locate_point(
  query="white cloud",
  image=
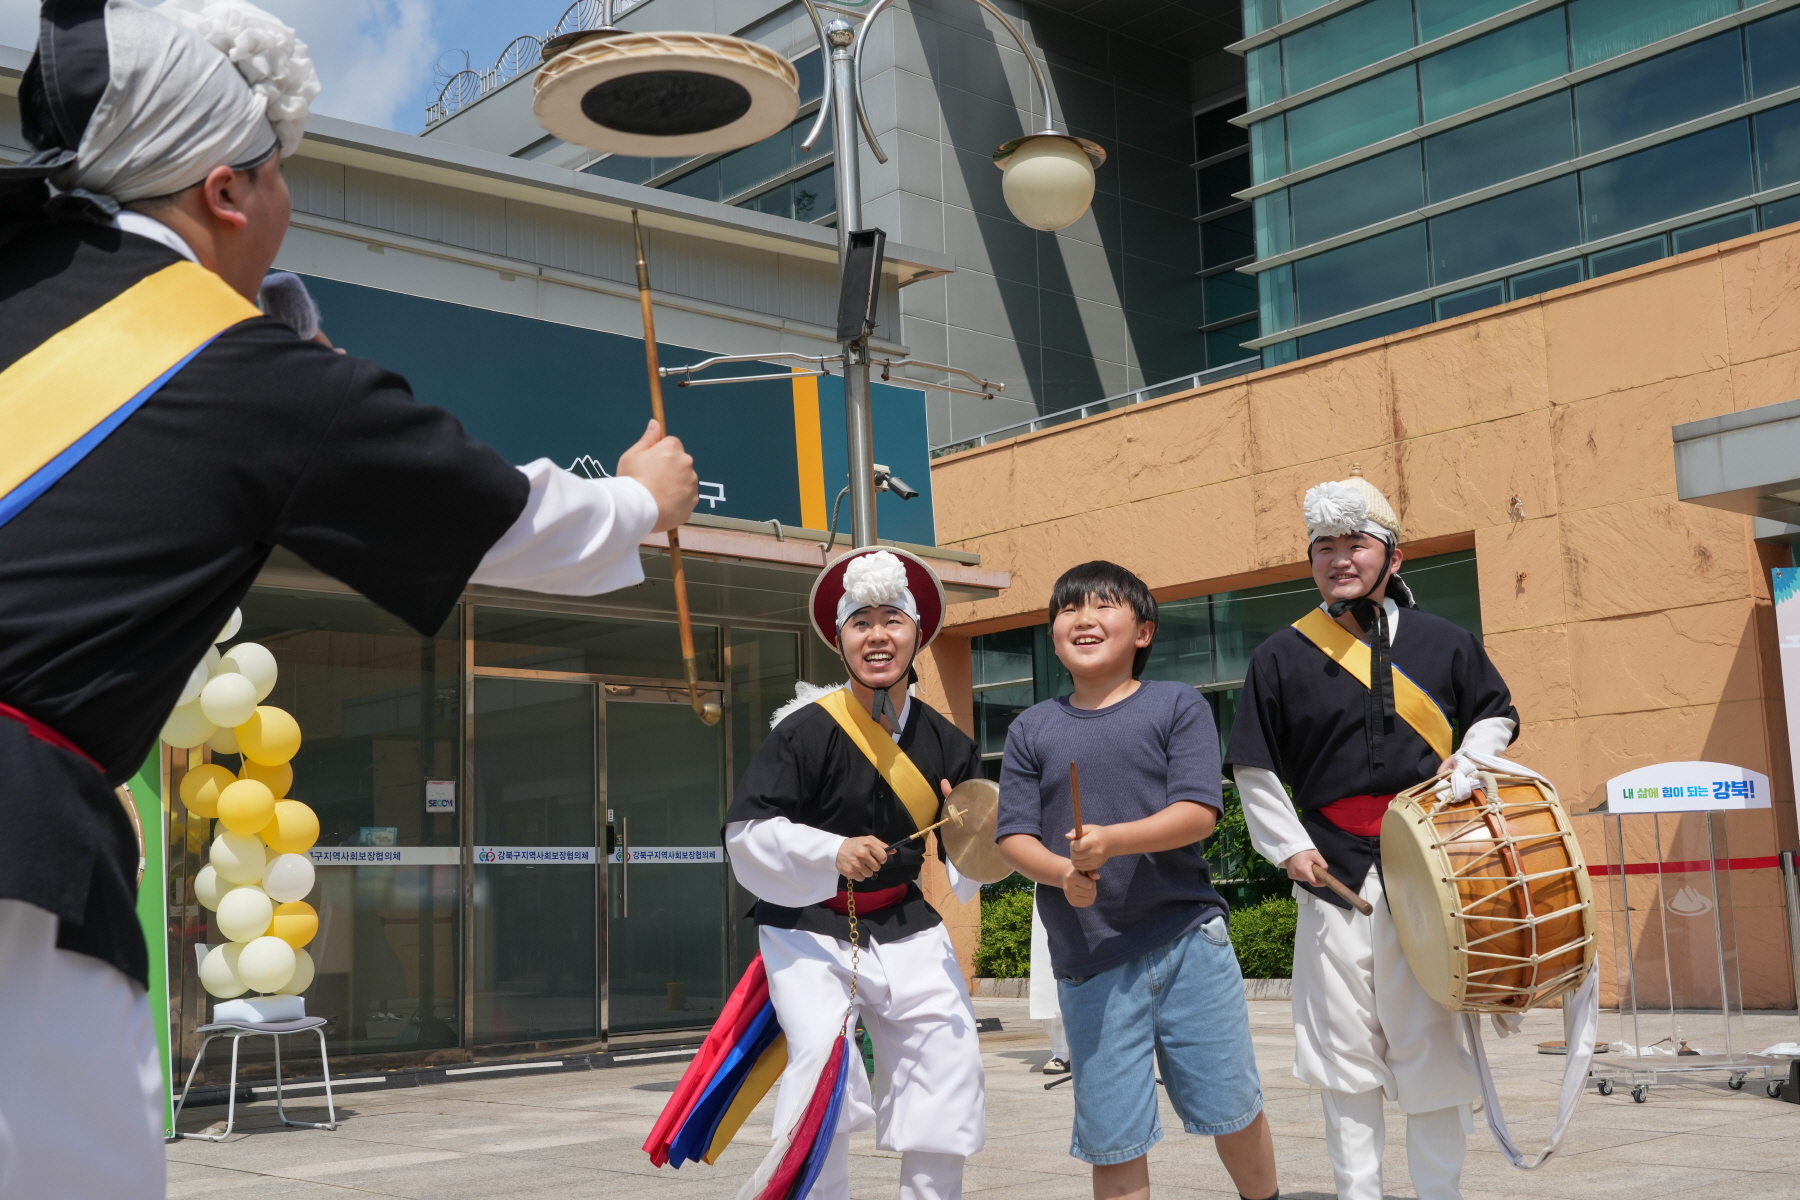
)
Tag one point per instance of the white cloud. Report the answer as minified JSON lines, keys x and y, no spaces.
{"x":373,"y":55}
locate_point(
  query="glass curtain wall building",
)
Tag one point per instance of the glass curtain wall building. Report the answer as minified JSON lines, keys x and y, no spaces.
{"x":1414,"y":160}
{"x":1205,"y":641}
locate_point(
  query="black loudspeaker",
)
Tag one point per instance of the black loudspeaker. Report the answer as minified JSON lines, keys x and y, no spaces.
{"x":859,"y":288}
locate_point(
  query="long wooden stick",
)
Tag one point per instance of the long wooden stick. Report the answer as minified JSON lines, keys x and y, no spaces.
{"x":1345,"y":894}
{"x":706,"y":710}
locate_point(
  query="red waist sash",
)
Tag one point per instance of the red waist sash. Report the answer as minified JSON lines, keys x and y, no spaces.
{"x":867,"y":902}
{"x":1360,"y":815}
{"x":44,"y":733}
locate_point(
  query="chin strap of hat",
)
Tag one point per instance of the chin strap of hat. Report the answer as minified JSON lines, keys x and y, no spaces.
{"x":1372,"y":616}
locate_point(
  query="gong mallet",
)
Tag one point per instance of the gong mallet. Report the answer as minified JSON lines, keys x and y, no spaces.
{"x":706,"y":710}
{"x":1075,"y":795}
{"x":1345,"y":894}
{"x":956,"y":815}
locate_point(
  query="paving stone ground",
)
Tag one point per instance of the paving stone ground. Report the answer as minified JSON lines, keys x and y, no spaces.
{"x":576,"y":1135}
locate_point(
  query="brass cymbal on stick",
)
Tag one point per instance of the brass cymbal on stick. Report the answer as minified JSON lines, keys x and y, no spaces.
{"x":706,"y":710}
{"x":969,"y":843}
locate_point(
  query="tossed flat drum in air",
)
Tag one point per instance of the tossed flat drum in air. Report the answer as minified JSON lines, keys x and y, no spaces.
{"x":665,"y":95}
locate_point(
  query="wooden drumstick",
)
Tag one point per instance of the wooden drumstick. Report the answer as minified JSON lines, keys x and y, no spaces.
{"x":1075,"y":795}
{"x":1345,"y":894}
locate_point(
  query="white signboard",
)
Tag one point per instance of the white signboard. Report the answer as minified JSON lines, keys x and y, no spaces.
{"x":1786,"y":589}
{"x":642,"y":855}
{"x":1679,"y":787}
{"x":534,"y":855}
{"x":440,"y":795}
{"x":386,"y":856}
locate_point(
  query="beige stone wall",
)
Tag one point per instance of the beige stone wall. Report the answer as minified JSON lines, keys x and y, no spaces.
{"x":1632,"y":627}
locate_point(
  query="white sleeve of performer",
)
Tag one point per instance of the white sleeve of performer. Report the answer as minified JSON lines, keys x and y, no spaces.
{"x":576,"y":537}
{"x":784,"y":863}
{"x":963,"y":888}
{"x":1489,"y":736}
{"x":1275,"y":829}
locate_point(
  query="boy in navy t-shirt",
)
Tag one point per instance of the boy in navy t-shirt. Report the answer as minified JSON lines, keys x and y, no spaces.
{"x":1144,"y":965}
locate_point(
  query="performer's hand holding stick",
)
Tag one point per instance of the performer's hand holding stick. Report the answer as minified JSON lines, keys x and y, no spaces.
{"x":707,"y":711}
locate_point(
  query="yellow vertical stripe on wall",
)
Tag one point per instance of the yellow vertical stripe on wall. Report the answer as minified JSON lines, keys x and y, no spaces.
{"x":809,"y":452}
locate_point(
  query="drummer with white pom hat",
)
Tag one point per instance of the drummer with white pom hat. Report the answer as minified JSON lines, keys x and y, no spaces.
{"x":1356,"y":702}
{"x":812,"y":819}
{"x":161,"y":437}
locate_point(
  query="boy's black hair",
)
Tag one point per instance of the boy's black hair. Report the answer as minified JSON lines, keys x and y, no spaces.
{"x":1102,"y":580}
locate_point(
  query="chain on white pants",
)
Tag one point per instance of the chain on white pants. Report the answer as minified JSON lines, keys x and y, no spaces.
{"x":1356,"y":1134}
{"x":923,"y":1175}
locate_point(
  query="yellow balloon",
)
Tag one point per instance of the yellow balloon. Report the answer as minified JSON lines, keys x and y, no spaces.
{"x":238,"y":858}
{"x":278,"y":779}
{"x":293,"y":830}
{"x":269,"y":737}
{"x":245,"y":806}
{"x":244,"y":913}
{"x":303,"y":974}
{"x":201,"y":786}
{"x":266,"y":964}
{"x":295,"y":923}
{"x":218,"y":971}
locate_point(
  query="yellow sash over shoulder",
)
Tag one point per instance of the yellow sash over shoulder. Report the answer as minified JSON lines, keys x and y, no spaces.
{"x":915,"y":791}
{"x":64,"y":397}
{"x":1412,"y":702}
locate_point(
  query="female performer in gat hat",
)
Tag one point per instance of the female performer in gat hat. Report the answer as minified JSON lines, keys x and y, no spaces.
{"x":1347,"y":708}
{"x":812,"y":819}
{"x":158,"y":438}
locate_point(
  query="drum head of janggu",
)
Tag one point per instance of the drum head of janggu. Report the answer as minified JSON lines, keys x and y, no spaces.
{"x":665,"y":94}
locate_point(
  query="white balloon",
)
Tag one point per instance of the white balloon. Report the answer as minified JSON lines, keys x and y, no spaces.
{"x":238,"y":857}
{"x":223,"y":741}
{"x":218,"y":971}
{"x":231,"y":626}
{"x":228,"y":699}
{"x":188,"y":727}
{"x":255,"y":663}
{"x":209,"y":889}
{"x":303,"y":974}
{"x":266,"y":964}
{"x":197,"y":678}
{"x":245,"y":913}
{"x":288,"y":877}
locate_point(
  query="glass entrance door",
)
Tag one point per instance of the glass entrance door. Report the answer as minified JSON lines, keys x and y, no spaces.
{"x":537,"y":874}
{"x":666,"y":872}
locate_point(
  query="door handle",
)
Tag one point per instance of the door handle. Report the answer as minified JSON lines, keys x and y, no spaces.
{"x":624,"y":867}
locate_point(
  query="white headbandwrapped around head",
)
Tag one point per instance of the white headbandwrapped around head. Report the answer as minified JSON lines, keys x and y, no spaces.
{"x":192,"y":85}
{"x":878,"y":578}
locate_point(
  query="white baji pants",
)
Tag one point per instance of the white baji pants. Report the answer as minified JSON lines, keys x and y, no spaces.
{"x":1365,"y":1032}
{"x":81,"y":1087}
{"x":929,"y":1094}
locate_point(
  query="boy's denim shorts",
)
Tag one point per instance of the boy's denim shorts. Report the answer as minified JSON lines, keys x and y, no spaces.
{"x":1179,"y":1011}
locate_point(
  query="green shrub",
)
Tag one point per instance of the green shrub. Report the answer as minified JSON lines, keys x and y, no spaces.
{"x":1005,"y":949}
{"x":1263,"y":936}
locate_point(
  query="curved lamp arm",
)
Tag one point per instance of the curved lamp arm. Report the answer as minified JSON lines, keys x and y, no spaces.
{"x":1037,"y":72}
{"x":825,"y":70}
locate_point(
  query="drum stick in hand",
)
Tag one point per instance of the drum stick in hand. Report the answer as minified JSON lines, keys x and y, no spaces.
{"x":1345,"y":894}
{"x":1075,"y":795}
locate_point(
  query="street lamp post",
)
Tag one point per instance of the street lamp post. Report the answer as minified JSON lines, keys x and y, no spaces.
{"x":1049,"y":183}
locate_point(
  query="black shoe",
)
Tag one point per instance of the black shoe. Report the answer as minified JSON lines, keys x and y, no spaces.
{"x":1057,"y":1066}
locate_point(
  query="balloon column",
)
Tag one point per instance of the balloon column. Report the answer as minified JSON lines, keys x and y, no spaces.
{"x":258,"y":874}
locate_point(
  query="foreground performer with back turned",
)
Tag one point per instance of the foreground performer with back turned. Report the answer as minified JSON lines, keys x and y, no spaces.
{"x":1333,"y":708}
{"x":160,"y":438}
{"x":824,"y":797}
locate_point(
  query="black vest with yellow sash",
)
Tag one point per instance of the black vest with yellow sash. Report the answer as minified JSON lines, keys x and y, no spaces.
{"x":829,"y":766}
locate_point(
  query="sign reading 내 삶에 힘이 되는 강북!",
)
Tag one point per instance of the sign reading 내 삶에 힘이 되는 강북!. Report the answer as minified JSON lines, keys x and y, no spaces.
{"x":1687,"y":787}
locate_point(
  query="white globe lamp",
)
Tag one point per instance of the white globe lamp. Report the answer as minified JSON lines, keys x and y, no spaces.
{"x":1048,"y":178}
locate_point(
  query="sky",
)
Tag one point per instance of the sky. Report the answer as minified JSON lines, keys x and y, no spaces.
{"x":375,"y":57}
